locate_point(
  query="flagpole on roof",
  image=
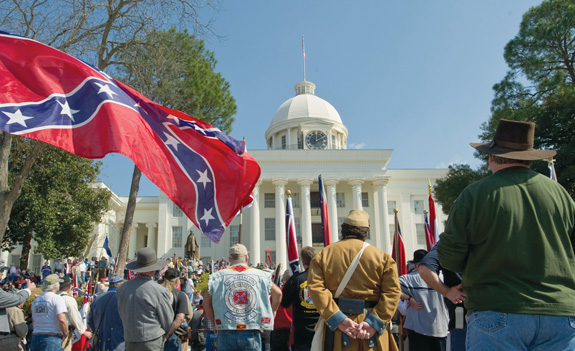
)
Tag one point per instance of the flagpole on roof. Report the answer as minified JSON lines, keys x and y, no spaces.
{"x":303,"y":52}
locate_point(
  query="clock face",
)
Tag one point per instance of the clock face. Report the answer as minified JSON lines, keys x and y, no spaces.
{"x":316,"y":140}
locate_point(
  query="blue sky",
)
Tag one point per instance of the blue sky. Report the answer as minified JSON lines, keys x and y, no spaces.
{"x":414,"y":76}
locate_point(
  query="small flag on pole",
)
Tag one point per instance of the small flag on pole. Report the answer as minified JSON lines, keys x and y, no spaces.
{"x":293,"y":257}
{"x":398,"y":253}
{"x":551,"y":169}
{"x":107,"y":247}
{"x":269,"y":256}
{"x":433,"y":227}
{"x":324,"y":214}
{"x":429,"y":239}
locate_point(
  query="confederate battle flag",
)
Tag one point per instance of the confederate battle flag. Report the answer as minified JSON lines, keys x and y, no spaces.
{"x":50,"y":96}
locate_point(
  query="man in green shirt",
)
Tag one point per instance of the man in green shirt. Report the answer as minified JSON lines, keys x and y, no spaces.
{"x":511,"y":236}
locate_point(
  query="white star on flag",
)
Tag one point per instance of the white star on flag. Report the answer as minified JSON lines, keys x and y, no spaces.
{"x":207,"y":215}
{"x":200,"y":129}
{"x":172,"y":141}
{"x":105,"y":88}
{"x":17,"y":117}
{"x":203,"y":177}
{"x":66,"y":110}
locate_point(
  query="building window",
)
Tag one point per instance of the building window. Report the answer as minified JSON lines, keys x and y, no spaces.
{"x":420,"y":230}
{"x":364,"y":200}
{"x":284,"y":142}
{"x":300,"y":140}
{"x":234,"y":234}
{"x":176,"y":236}
{"x":314,"y":199}
{"x":333,"y":145}
{"x":176,"y":211}
{"x":269,"y":200}
{"x":37,"y":264}
{"x":418,"y":206}
{"x":340,"y":199}
{"x":391,"y":233}
{"x":270,"y":228}
{"x":391,"y":205}
{"x":205,"y":241}
{"x":297,"y":223}
{"x":316,"y":233}
{"x":295,"y":200}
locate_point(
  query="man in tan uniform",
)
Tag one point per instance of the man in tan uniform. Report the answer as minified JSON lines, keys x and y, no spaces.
{"x":370,"y":297}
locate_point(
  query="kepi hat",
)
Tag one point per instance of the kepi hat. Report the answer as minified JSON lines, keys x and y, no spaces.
{"x":65,"y":281}
{"x":514,"y":140}
{"x":146,"y":261}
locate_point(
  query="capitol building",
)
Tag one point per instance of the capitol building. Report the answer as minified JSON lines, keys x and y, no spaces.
{"x":306,"y":137}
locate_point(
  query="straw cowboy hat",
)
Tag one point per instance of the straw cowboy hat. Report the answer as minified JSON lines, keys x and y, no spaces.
{"x":146,"y":261}
{"x":514,"y":140}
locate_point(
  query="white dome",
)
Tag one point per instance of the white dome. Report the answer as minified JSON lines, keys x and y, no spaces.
{"x":305,"y":105}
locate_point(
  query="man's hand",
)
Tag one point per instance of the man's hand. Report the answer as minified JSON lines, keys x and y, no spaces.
{"x":415,"y":305}
{"x":30,"y":285}
{"x":88,"y":334}
{"x":456,"y":294}
{"x":365,"y":331}
{"x":348,"y":327}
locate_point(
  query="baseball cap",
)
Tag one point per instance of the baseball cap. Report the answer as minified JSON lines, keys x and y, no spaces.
{"x":238,"y":249}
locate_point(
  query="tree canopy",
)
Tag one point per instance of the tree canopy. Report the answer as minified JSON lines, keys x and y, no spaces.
{"x":540,"y":85}
{"x":59,"y":204}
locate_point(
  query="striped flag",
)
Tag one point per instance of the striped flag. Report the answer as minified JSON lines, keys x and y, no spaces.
{"x":324,"y":214}
{"x":398,"y":253}
{"x":433,"y":227}
{"x":293,"y":257}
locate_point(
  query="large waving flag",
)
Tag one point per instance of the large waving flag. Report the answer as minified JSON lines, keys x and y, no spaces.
{"x":324,"y":214}
{"x":398,"y":253}
{"x":293,"y":256}
{"x":433,"y":227}
{"x":53,"y":97}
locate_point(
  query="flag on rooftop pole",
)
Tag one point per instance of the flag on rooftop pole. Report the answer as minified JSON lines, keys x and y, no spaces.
{"x":53,"y":97}
{"x":293,"y":257}
{"x":324,"y":214}
{"x":107,"y":246}
{"x":398,"y":253}
{"x":551,"y":169}
{"x":433,"y":226}
{"x":429,"y":240}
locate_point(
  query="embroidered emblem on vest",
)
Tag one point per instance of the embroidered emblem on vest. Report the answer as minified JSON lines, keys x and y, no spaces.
{"x":240,"y":298}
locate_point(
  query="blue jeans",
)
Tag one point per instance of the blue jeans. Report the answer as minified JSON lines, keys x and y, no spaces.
{"x":492,"y":331}
{"x":210,"y":341}
{"x":238,"y":340}
{"x":174,"y":343}
{"x":46,"y":343}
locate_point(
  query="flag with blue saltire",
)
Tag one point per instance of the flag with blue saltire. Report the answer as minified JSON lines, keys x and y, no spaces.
{"x":293,"y":256}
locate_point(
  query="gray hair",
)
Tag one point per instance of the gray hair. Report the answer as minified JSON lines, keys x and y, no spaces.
{"x":46,"y":287}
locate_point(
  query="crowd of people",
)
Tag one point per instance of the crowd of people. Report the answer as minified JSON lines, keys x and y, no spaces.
{"x":500,"y":278}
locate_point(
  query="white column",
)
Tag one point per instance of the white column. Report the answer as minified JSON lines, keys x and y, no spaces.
{"x":332,"y":208}
{"x":356,"y":193}
{"x":133,"y":238}
{"x":152,"y":234}
{"x":281,"y":246}
{"x":381,"y":217}
{"x":255,"y":237}
{"x":306,"y":237}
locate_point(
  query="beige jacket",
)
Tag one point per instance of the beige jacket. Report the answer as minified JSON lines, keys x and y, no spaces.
{"x":374,"y":279}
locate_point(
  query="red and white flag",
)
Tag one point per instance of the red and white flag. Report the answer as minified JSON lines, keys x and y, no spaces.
{"x":293,"y":256}
{"x":433,"y":227}
{"x":398,"y":253}
{"x":53,"y":97}
{"x":324,"y":214}
{"x":269,"y":256}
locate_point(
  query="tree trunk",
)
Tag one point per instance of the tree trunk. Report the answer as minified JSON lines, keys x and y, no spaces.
{"x":127,"y":229}
{"x":9,"y":196}
{"x":25,"y":256}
